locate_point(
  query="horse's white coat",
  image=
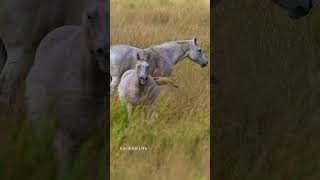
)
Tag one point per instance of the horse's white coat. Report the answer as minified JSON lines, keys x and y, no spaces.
{"x":67,"y":80}
{"x":161,"y":58}
{"x":137,"y":85}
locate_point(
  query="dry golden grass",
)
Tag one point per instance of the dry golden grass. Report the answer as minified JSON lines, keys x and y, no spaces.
{"x":179,"y":135}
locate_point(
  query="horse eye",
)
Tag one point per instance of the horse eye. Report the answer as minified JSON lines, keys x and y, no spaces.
{"x":199,"y":50}
{"x":90,"y":17}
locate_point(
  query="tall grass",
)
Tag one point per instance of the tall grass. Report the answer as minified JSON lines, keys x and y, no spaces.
{"x":178,"y":135}
{"x":266,"y":122}
{"x":24,"y":155}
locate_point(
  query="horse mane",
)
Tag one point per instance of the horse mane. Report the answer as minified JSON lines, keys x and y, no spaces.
{"x":178,"y":41}
{"x":172,"y":42}
{"x":182,"y":41}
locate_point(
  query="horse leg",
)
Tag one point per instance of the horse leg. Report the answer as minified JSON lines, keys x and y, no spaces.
{"x":130,"y":110}
{"x":152,"y":99}
{"x":98,"y":162}
{"x":3,"y":55}
{"x":17,"y":59}
{"x":149,"y":110}
{"x":62,"y":146}
{"x":114,"y":83}
{"x":103,"y":157}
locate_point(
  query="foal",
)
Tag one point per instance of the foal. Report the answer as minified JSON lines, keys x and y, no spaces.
{"x":69,"y":76}
{"x":137,"y":85}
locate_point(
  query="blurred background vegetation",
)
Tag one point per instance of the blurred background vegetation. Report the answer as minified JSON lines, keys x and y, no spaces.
{"x":24,"y":156}
{"x":266,"y":105}
{"x":178,"y":136}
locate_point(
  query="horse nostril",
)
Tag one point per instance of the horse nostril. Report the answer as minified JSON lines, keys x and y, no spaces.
{"x":204,"y":64}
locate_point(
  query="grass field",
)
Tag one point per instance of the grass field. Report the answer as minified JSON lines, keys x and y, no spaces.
{"x":178,"y":137}
{"x":266,"y":123}
{"x":23,"y":156}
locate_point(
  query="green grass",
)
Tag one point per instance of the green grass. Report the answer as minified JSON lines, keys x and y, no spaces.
{"x":24,"y":155}
{"x":178,"y":135}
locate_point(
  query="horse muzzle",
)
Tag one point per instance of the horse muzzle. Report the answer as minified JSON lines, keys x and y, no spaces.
{"x":143,"y":79}
{"x":204,"y":64}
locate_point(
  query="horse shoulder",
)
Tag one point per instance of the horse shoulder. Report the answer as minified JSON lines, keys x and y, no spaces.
{"x":55,"y":37}
{"x":48,"y":55}
{"x":127,"y":86}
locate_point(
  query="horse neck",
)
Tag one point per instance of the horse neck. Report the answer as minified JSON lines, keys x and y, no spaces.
{"x":89,"y":63}
{"x":180,"y":52}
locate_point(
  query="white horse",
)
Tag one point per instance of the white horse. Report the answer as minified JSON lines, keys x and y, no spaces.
{"x":161,"y":58}
{"x":136,"y":86}
{"x":68,"y":79}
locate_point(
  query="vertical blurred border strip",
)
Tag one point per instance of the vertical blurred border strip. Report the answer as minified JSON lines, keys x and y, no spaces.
{"x":107,"y":115}
{"x":212,"y":88}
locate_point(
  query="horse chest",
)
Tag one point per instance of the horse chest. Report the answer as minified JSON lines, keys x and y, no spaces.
{"x":139,"y":94}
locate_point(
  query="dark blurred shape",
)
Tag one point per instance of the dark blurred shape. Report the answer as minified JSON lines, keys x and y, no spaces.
{"x":215,"y":2}
{"x":266,"y":110}
{"x":296,"y":8}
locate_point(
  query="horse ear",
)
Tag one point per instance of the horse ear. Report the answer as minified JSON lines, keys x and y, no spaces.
{"x":194,"y":40}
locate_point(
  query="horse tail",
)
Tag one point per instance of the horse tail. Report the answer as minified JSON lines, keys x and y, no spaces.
{"x":164,"y":81}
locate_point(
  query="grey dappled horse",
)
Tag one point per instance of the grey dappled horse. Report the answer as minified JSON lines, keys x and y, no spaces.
{"x":161,"y":58}
{"x":68,"y":81}
{"x":137,"y":85}
{"x":22,"y":26}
